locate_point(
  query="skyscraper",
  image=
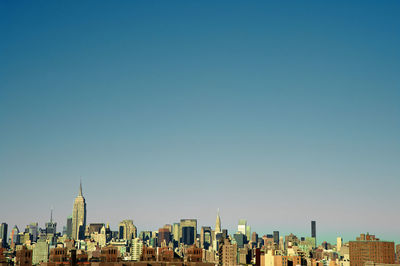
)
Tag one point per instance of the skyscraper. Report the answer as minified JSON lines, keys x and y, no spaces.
{"x":164,"y":236}
{"x":339,"y":242}
{"x":187,"y":235}
{"x":276,"y":237}
{"x":242,"y":226}
{"x":205,"y":237}
{"x":127,"y":230}
{"x":314,"y":231}
{"x":218,"y":224}
{"x":175,"y":232}
{"x":33,"y":229}
{"x":14,"y":235}
{"x":248,"y":232}
{"x":3,"y":234}
{"x":190,"y":228}
{"x":69,"y":226}
{"x":79,"y":216}
{"x":51,"y":228}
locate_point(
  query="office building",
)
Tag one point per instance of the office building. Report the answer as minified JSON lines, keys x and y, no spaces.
{"x":3,"y":234}
{"x":314,"y":232}
{"x":205,"y":237}
{"x":175,"y":232}
{"x":240,"y":239}
{"x":188,"y":223}
{"x":242,"y":226}
{"x":51,"y":227}
{"x":14,"y":236}
{"x":136,"y":249}
{"x":248,"y":232}
{"x":127,"y":230}
{"x":164,"y":236}
{"x":254,"y":237}
{"x":188,"y":235}
{"x":276,"y":237}
{"x":79,"y":216}
{"x":69,"y":227}
{"x":33,"y":230}
{"x":339,"y":242}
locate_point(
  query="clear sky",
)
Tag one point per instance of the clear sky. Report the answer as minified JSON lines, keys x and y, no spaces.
{"x":276,"y":113}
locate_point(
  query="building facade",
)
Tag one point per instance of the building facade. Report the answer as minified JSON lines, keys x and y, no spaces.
{"x":368,"y":248}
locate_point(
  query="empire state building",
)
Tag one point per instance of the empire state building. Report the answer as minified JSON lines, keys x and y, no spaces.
{"x":79,"y":216}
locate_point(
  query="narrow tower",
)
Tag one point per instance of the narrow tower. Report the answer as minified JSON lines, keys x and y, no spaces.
{"x":218,"y":224}
{"x":79,"y":216}
{"x":314,"y":232}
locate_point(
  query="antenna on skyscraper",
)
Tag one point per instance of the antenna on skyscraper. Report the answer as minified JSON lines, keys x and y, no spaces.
{"x":51,"y":214}
{"x":80,"y":186}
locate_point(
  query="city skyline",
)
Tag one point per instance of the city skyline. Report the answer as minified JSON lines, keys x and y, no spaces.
{"x":277,"y":114}
{"x":231,"y":227}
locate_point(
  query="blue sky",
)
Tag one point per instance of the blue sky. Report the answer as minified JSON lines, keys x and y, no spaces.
{"x":276,"y":113}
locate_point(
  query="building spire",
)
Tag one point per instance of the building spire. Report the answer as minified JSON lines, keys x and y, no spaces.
{"x":80,"y":188}
{"x":218,"y":223}
{"x":51,"y":214}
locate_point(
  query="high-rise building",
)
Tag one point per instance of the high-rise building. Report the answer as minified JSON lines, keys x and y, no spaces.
{"x":339,"y":242}
{"x":127,"y":230}
{"x":254,"y":237}
{"x":224,"y":233}
{"x":205,"y":237}
{"x":40,"y":252}
{"x":188,"y":223}
{"x":3,"y":234}
{"x":69,"y":226}
{"x":242,"y":226}
{"x":314,"y":232}
{"x":33,"y":230}
{"x":176,"y":232}
{"x":240,"y":239}
{"x":79,"y":216}
{"x":136,"y":249}
{"x":369,"y":248}
{"x":248,"y":232}
{"x":51,"y":227}
{"x":313,"y":229}
{"x":14,"y":235}
{"x":276,"y":237}
{"x":228,"y":253}
{"x":164,"y":236}
{"x":188,"y":235}
{"x":218,"y":224}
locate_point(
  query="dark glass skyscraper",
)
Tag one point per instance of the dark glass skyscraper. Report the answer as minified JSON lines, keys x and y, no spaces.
{"x":314,"y":232}
{"x":313,"y":229}
{"x":188,"y":235}
{"x":3,"y":234}
{"x":276,"y":237}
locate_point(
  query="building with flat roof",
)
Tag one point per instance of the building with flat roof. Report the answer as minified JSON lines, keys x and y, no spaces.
{"x":368,"y":248}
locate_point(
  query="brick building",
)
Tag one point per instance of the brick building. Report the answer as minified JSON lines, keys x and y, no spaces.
{"x":368,"y":248}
